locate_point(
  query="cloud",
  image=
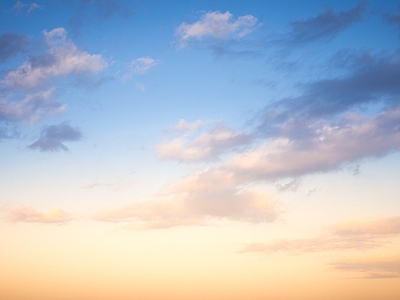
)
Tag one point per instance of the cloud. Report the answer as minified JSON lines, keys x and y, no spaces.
{"x":201,"y":207}
{"x":12,"y":44}
{"x":326,"y":25}
{"x":347,"y":235}
{"x":31,"y":108}
{"x":31,"y":215}
{"x":372,"y":269}
{"x":216,"y":25}
{"x":183,"y":125}
{"x":371,"y":81}
{"x":206,"y":146}
{"x":25,"y":9}
{"x":317,"y":244}
{"x":52,"y":137}
{"x":140,"y":65}
{"x":292,"y":185}
{"x":63,"y":58}
{"x":372,"y":227}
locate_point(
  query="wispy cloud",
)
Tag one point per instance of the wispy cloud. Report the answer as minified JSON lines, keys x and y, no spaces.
{"x":317,"y":244}
{"x":52,"y":137}
{"x":140,"y":66}
{"x":31,"y":215}
{"x":371,"y":227}
{"x":372,"y":268}
{"x":216,"y":25}
{"x":358,"y":234}
{"x":25,"y":9}
{"x":11,"y":44}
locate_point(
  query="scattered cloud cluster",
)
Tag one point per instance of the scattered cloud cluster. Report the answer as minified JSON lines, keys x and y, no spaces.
{"x":31,"y":215}
{"x":52,"y":137}
{"x":216,"y":25}
{"x":28,"y":91}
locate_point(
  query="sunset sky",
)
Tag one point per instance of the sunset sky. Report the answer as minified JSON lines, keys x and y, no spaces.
{"x":199,"y":150}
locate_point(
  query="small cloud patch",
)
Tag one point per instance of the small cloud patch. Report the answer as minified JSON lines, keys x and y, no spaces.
{"x":52,"y":138}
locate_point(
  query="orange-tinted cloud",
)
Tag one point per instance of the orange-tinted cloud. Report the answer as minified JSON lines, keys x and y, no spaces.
{"x":32,"y":215}
{"x":371,"y":268}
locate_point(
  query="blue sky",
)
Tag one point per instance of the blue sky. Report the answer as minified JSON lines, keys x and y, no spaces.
{"x":248,"y":116}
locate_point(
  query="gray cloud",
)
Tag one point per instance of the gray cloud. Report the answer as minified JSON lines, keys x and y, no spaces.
{"x":52,"y":138}
{"x":326,"y":25}
{"x":12,"y":44}
{"x":371,"y":81}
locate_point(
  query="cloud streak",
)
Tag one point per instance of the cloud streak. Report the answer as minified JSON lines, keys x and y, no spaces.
{"x":183,"y":207}
{"x":372,"y":269}
{"x":358,"y":234}
{"x":326,"y":25}
{"x":28,"y":214}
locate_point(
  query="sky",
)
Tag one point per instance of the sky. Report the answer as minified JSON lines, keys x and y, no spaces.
{"x":199,"y":149}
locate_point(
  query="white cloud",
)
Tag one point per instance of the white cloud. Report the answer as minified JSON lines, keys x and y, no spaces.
{"x":328,"y":148}
{"x":63,"y":58}
{"x":183,"y":125}
{"x":206,"y":146}
{"x":142,"y":65}
{"x":185,"y":207}
{"x":31,"y":108}
{"x":217,"y":25}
